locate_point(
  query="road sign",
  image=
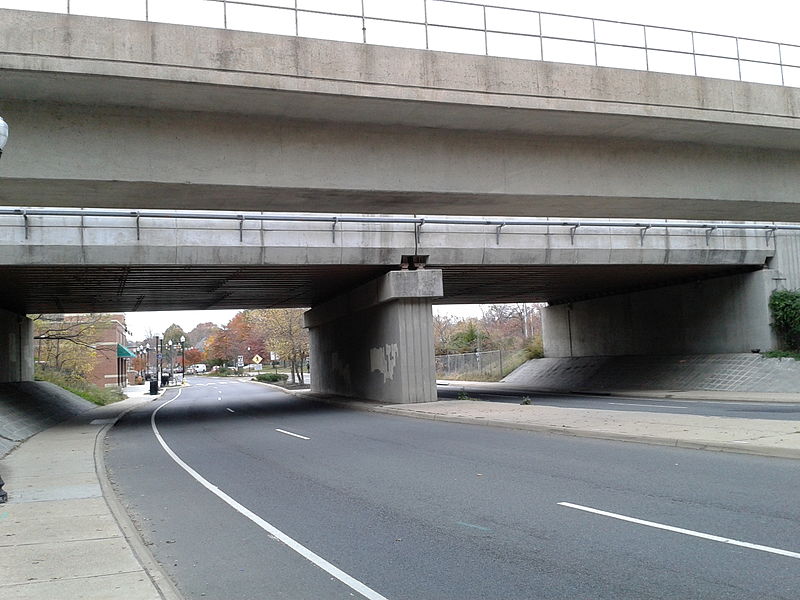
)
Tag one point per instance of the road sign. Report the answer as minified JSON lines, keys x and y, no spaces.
{"x":257,"y":359}
{"x":240,"y":361}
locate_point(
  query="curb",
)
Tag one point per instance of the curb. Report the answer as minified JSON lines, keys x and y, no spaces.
{"x":601,"y":435}
{"x":753,"y":450}
{"x":158,"y":577}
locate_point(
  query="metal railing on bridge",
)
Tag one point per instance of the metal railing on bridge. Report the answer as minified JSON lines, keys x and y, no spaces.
{"x":495,"y":226}
{"x":474,"y":28}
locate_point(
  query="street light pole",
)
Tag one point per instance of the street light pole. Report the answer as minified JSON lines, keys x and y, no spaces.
{"x":170,"y":344}
{"x":183,"y":359}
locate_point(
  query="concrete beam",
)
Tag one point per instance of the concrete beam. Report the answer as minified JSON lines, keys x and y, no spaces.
{"x":376,"y":342}
{"x":123,"y":158}
{"x":97,"y":61}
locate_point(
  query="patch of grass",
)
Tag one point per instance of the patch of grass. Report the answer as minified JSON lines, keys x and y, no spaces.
{"x":782,"y":354}
{"x":463,"y":395}
{"x":80,"y":387}
{"x":526,"y":400}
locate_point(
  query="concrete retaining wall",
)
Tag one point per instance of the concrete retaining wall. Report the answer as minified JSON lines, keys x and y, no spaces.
{"x":724,"y":315}
{"x":714,"y":372}
{"x":28,"y":407}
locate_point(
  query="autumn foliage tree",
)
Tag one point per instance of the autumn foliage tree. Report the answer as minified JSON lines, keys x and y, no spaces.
{"x":194,"y":356}
{"x":283,"y":332}
{"x":67,"y":343}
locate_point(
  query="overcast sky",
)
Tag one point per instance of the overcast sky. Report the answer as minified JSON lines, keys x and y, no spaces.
{"x":772,"y":20}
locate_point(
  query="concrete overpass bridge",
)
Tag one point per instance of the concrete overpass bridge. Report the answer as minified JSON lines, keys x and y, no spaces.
{"x":132,"y":114}
{"x":138,"y":115}
{"x":613,"y":287}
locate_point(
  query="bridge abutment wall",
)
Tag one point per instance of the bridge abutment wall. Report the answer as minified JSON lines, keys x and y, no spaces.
{"x":714,"y":316}
{"x":16,"y":347}
{"x":376,"y":342}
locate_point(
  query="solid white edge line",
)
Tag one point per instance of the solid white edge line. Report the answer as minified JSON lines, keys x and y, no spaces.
{"x":323,"y":564}
{"x":699,"y":534}
{"x":297,"y":435}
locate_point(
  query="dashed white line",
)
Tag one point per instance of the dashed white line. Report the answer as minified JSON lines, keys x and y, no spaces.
{"x":230,"y":410}
{"x":648,"y":405}
{"x":297,"y":435}
{"x":323,"y":564}
{"x":698,"y":534}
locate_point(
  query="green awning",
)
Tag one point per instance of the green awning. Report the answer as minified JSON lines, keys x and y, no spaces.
{"x":123,"y":352}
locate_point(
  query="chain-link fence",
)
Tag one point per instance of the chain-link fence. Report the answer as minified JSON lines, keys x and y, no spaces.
{"x":478,"y":366}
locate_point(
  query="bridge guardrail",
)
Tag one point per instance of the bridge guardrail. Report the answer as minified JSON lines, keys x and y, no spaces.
{"x":479,"y":28}
{"x":570,"y":226}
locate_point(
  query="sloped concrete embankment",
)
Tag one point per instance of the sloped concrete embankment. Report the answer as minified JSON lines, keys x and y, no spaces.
{"x":28,"y":407}
{"x":709,"y":372}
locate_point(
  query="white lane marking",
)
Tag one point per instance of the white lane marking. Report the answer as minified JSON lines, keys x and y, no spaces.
{"x":648,"y":405}
{"x":699,"y":534}
{"x":297,"y":435}
{"x":230,"y":410}
{"x":323,"y":564}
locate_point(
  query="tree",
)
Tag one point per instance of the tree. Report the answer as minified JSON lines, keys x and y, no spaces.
{"x":194,"y":356}
{"x":173,"y":334}
{"x":246,"y":338}
{"x":283,"y":332}
{"x":442,"y":331}
{"x":67,"y":342}
{"x":219,"y":348}
{"x":200,"y":334}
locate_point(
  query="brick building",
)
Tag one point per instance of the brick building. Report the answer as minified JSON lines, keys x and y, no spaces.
{"x":113,"y":357}
{"x":86,"y":343}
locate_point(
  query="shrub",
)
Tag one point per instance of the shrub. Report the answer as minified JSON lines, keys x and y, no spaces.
{"x":785,"y":308}
{"x":782,"y":354}
{"x":271,"y":377}
{"x":534,"y":348}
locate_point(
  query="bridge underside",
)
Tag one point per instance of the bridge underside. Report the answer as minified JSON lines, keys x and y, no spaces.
{"x":60,"y":288}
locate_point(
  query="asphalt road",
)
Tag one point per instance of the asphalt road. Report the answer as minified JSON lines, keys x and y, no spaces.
{"x":417,"y":509}
{"x":743,"y":410}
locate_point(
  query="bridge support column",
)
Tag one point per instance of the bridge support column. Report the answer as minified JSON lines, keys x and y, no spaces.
{"x":376,"y":342}
{"x":713,"y":316}
{"x":16,"y":347}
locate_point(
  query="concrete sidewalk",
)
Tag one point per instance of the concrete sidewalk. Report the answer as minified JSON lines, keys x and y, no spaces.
{"x":750,"y":436}
{"x":702,"y":395}
{"x":764,"y":437}
{"x":63,"y":534}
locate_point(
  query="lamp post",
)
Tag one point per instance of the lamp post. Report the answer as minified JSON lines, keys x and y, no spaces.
{"x":147,"y":359}
{"x":183,"y":359}
{"x":3,"y":135}
{"x":170,"y":344}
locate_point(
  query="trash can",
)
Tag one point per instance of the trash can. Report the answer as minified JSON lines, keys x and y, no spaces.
{"x":164,"y":380}
{"x":153,"y":387}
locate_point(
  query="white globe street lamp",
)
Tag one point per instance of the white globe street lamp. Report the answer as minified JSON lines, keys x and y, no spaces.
{"x":3,"y":135}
